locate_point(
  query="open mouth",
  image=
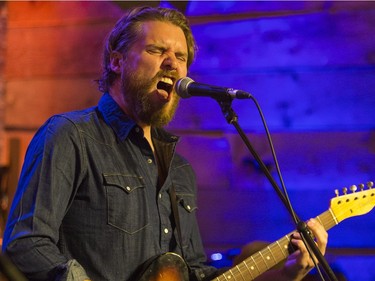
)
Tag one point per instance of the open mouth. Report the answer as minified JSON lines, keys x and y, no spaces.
{"x":166,"y":84}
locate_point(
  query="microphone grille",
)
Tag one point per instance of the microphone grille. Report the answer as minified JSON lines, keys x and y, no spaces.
{"x":182,"y":87}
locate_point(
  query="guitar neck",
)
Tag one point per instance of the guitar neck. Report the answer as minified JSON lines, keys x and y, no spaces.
{"x":274,"y":253}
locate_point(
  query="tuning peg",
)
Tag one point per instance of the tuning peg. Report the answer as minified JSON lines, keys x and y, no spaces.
{"x":370,"y":184}
{"x":337,"y":192}
{"x":345,"y":190}
{"x":361,"y":186}
{"x":353,"y":188}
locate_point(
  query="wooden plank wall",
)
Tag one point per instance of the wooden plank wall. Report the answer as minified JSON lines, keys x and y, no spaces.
{"x":310,"y":65}
{"x":3,"y":21}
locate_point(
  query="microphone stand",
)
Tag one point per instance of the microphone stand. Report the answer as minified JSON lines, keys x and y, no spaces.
{"x":232,"y":118}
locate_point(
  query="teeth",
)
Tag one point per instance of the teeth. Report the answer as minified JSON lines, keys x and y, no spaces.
{"x":167,"y":80}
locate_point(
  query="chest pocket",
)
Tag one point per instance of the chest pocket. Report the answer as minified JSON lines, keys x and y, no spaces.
{"x":186,"y":210}
{"x":127,"y":207}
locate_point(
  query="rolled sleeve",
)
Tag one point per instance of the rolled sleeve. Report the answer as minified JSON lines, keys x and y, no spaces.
{"x":72,"y":271}
{"x":43,"y":195}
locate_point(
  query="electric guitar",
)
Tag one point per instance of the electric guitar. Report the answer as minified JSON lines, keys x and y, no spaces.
{"x":171,"y":267}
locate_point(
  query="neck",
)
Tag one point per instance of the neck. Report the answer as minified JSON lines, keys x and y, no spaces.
{"x":147,"y":134}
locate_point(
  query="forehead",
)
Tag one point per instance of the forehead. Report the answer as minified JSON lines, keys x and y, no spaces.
{"x":164,"y":33}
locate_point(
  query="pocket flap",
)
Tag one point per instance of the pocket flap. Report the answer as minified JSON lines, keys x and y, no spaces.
{"x":128,"y":183}
{"x":187,"y":201}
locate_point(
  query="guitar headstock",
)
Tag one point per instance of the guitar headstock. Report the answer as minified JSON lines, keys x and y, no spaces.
{"x":357,"y":202}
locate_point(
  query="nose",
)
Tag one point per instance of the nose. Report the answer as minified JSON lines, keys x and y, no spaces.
{"x":170,"y":62}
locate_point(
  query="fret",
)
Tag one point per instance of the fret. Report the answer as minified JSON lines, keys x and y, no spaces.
{"x":320,"y":221}
{"x":275,"y":262}
{"x":333,"y":217}
{"x":267,"y":253}
{"x":277,"y":254}
{"x":220,"y":278}
{"x":231,"y":275}
{"x":265,"y":262}
{"x":224,"y":276}
{"x":327,"y":219}
{"x":256,"y":265}
{"x":261,"y":266}
{"x":248,"y":269}
{"x":283,"y":249}
{"x":240,"y":271}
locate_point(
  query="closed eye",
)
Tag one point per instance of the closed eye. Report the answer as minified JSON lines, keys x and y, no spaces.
{"x":155,"y":50}
{"x":158,"y":50}
{"x":181,"y":56}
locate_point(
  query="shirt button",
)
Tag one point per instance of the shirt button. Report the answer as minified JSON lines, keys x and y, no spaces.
{"x":188,"y":207}
{"x":166,"y":230}
{"x":149,"y":160}
{"x":128,"y":188}
{"x":160,"y":195}
{"x":137,"y":130}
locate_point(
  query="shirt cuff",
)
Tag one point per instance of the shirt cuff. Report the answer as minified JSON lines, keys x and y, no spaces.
{"x":72,"y":271}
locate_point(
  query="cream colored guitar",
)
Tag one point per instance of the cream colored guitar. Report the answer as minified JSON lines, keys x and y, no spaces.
{"x":171,"y":267}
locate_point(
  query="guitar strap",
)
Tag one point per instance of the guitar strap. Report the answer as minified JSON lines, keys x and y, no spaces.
{"x":177,"y":218}
{"x":192,"y":276}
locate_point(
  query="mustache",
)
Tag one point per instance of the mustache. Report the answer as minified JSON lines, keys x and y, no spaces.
{"x":172,"y":74}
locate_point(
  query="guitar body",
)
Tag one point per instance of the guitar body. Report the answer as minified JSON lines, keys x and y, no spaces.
{"x":166,"y":267}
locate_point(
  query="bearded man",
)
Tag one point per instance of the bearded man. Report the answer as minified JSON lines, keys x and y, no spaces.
{"x":97,"y":191}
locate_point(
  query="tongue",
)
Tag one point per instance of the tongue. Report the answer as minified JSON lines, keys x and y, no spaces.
{"x":163,"y":94}
{"x":164,"y":89}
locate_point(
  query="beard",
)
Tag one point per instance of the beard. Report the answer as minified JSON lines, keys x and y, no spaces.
{"x":136,"y":91}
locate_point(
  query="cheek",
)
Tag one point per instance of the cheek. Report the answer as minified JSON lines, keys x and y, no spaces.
{"x":148,"y":68}
{"x":183,"y":71}
{"x":139,"y":64}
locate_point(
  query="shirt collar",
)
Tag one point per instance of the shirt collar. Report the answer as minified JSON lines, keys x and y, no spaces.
{"x":122,"y":124}
{"x":115,"y":117}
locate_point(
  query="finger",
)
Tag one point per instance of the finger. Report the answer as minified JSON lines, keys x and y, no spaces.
{"x":302,"y":255}
{"x":298,"y":243}
{"x":296,"y":235}
{"x":319,"y":233}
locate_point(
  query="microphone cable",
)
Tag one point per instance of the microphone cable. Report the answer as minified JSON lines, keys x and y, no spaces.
{"x":284,"y":190}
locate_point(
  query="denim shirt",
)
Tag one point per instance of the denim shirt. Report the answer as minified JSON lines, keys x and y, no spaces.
{"x":90,"y":204}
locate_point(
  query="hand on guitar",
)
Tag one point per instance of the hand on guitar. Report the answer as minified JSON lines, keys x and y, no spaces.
{"x":253,"y":263}
{"x":299,"y":263}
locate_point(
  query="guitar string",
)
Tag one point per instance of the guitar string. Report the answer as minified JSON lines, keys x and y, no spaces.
{"x":258,"y":258}
{"x":328,"y":219}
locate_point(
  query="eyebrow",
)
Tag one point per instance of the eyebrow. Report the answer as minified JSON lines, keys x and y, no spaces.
{"x":160,"y":47}
{"x":182,"y":54}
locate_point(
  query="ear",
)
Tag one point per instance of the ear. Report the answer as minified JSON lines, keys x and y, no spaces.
{"x":116,"y":61}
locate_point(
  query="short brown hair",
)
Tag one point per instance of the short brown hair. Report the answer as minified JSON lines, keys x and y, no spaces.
{"x":125,"y":33}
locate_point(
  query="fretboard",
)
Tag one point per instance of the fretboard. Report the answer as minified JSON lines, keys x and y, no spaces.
{"x":274,"y":253}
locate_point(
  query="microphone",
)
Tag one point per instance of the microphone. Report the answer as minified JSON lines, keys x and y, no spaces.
{"x":186,"y":88}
